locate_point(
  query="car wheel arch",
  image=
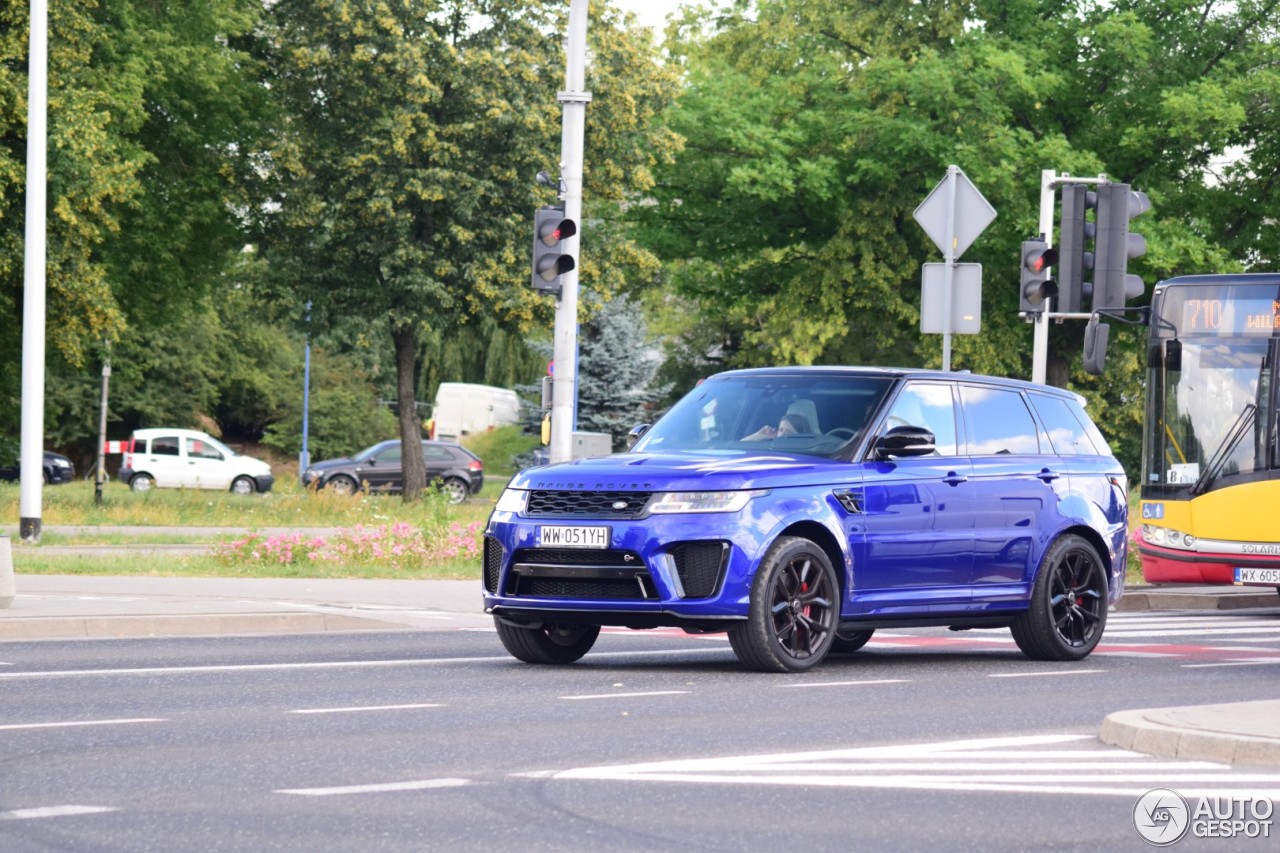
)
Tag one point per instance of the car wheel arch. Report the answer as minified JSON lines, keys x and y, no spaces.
{"x":820,"y":535}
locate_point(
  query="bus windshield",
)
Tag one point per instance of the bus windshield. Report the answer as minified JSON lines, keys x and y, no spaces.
{"x":1210,"y":418}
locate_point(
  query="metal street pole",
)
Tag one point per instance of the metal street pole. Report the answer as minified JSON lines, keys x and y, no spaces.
{"x":1040,"y":337}
{"x":304,"y":458}
{"x":31,"y":465}
{"x":100,"y":476}
{"x":574,"y":100}
{"x":948,"y":272}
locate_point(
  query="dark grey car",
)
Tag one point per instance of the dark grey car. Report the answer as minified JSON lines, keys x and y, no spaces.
{"x":457,"y":471}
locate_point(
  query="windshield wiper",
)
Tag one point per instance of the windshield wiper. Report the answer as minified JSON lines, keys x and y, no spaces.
{"x":1220,"y":456}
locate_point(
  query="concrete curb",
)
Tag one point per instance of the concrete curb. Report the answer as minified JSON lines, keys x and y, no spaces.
{"x":185,"y":625}
{"x":1199,"y":598}
{"x":1193,"y":733}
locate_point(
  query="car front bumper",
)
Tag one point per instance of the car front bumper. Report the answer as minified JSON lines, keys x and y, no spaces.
{"x":660,"y":570}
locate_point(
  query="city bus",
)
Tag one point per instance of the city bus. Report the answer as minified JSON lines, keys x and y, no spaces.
{"x":1210,"y":495}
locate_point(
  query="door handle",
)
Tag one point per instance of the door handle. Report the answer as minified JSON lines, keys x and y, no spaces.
{"x":1048,"y":476}
{"x":954,"y":479}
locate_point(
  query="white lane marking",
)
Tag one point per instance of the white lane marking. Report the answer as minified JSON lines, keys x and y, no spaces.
{"x":1037,"y":674}
{"x":1256,"y":662}
{"x":385,"y":787}
{"x":361,"y":609}
{"x":626,"y":695}
{"x":15,"y":726}
{"x":1110,"y":634}
{"x":1043,"y":763}
{"x":365,"y":708}
{"x":849,"y":683}
{"x":52,"y":811}
{"x":279,"y":667}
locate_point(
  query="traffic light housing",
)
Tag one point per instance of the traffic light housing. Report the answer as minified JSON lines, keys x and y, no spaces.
{"x":1116,"y":245}
{"x":550,"y":260}
{"x":1075,"y":247}
{"x":1037,"y":257}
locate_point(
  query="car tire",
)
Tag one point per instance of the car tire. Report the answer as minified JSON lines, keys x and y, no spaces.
{"x":142,"y":483}
{"x":794,"y":610}
{"x":1068,"y":611}
{"x":553,"y":643}
{"x":243,"y":486}
{"x":455,"y":490}
{"x":847,"y":642}
{"x":343,"y":485}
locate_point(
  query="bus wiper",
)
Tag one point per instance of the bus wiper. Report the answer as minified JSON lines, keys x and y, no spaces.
{"x":1220,"y":456}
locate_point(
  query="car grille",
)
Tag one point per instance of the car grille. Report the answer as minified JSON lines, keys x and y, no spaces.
{"x":553,"y":504}
{"x":699,"y":566}
{"x":584,"y":574}
{"x":492,"y":563}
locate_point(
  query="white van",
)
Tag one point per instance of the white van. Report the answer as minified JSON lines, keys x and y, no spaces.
{"x":189,"y":459}
{"x":464,"y":409}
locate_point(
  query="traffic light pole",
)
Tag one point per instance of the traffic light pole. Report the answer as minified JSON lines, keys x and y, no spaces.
{"x":1049,"y":181}
{"x":574,"y":100}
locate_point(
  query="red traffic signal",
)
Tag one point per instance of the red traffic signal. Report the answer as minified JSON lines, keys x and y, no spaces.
{"x":550,"y":261}
{"x":1037,"y":257}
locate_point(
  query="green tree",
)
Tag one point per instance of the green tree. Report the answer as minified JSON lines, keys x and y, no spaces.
{"x":815,"y":127}
{"x":404,"y":158}
{"x":616,"y":369}
{"x":153,"y":110}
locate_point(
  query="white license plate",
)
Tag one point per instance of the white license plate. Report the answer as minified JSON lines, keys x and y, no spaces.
{"x":1267,"y":576}
{"x":573,"y":537}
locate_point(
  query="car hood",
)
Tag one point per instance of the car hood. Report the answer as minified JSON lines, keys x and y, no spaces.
{"x":686,"y":471}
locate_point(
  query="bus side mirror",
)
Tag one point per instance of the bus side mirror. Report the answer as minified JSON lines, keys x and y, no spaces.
{"x":1095,"y":346}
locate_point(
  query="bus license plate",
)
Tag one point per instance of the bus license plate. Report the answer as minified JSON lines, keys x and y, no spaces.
{"x":573,"y":537}
{"x":1263,"y":576}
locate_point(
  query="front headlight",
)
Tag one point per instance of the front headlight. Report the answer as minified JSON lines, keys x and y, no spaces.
{"x":677,"y":502}
{"x":512,"y":500}
{"x":61,"y":463}
{"x":1168,"y":538}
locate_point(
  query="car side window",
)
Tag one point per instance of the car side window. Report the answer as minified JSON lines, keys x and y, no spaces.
{"x":389,"y":456}
{"x":436,"y":454}
{"x":166,"y":445}
{"x":998,"y":421}
{"x":1065,"y":433}
{"x":929,"y":405}
{"x":198,"y":449}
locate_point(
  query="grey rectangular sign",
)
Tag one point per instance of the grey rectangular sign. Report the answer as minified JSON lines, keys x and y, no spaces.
{"x":966,"y":299}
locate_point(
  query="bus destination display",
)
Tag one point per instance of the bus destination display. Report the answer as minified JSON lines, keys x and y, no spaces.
{"x":1225,"y":311}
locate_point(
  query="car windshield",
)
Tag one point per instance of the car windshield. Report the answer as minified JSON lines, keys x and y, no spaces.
{"x":812,"y":414}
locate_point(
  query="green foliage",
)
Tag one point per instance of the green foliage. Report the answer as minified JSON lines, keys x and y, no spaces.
{"x":498,"y":449}
{"x":616,"y":367}
{"x":815,"y":127}
{"x":344,"y":415}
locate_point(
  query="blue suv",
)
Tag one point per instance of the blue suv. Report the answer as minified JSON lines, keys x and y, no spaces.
{"x":801,"y":509}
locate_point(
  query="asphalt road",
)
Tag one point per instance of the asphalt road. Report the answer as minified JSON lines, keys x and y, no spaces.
{"x":656,"y":741}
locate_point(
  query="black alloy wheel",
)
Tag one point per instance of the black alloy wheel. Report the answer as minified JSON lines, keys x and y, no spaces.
{"x":795,"y":607}
{"x":1068,"y":608}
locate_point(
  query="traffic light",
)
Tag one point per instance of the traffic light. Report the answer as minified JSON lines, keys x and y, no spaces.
{"x":1075,"y":247}
{"x":1037,"y":257}
{"x":1113,"y":286}
{"x":550,"y":230}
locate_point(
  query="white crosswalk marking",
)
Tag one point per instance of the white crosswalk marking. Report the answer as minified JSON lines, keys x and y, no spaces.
{"x":1058,"y":764}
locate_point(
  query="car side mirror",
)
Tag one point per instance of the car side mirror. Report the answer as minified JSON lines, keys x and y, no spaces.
{"x":634,"y":434}
{"x":905,"y":441}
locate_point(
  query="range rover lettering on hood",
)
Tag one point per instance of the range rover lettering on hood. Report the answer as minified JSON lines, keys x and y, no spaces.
{"x":600,"y":487}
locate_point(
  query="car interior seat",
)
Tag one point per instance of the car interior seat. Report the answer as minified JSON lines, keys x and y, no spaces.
{"x":807,"y":410}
